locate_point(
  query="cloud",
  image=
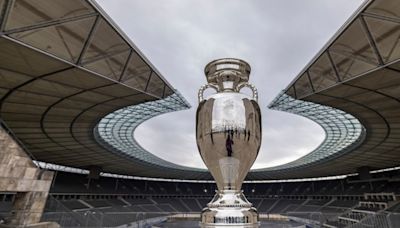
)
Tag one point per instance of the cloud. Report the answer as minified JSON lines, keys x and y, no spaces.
{"x":277,"y":37}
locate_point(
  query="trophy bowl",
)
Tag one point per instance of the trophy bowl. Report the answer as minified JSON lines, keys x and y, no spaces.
{"x":228,"y":135}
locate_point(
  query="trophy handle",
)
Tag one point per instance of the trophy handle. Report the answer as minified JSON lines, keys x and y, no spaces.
{"x":203,"y":88}
{"x":250,"y":86}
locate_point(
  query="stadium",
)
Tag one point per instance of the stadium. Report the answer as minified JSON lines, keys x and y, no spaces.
{"x":74,"y":88}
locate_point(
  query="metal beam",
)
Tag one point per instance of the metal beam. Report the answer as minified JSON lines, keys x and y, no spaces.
{"x":333,"y":65}
{"x":294,"y":91}
{"x":49,"y":23}
{"x":148,"y":80}
{"x":350,"y":56}
{"x":371,"y":41}
{"x":3,"y":7}
{"x":309,"y":79}
{"x":88,"y":40}
{"x":119,"y":31}
{"x":106,"y":56}
{"x":380,"y":17}
{"x":163,"y":92}
{"x":5,"y":13}
{"x":126,"y":65}
{"x":75,"y":65}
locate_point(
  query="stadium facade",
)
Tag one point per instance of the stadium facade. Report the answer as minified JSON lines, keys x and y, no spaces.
{"x":74,"y":87}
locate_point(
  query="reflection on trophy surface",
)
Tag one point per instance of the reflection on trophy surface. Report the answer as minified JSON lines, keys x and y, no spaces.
{"x":228,"y":134}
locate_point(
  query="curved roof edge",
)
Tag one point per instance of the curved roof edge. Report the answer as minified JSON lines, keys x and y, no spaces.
{"x":343,"y":132}
{"x":115,"y":131}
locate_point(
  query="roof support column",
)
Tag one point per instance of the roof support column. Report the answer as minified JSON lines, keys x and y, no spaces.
{"x":19,"y":175}
{"x":94,"y":172}
{"x":363,"y":172}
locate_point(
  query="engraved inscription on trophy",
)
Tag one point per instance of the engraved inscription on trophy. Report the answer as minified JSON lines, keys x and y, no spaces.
{"x":228,"y":134}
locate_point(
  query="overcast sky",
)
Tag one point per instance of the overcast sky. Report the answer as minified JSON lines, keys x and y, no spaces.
{"x":277,"y":37}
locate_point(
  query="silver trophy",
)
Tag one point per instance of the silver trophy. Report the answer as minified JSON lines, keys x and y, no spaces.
{"x":228,"y":134}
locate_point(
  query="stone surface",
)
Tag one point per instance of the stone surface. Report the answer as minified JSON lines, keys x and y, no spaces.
{"x":19,"y":174}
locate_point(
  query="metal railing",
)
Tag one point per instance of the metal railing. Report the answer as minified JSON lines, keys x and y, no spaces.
{"x":382,"y":219}
{"x":314,"y":219}
{"x":378,"y":220}
{"x":115,"y":216}
{"x":104,"y":219}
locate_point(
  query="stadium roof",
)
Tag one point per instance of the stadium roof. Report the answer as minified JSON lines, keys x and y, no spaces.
{"x":357,"y":72}
{"x":74,"y":88}
{"x":64,"y":65}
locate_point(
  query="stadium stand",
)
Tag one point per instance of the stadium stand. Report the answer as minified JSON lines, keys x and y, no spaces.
{"x":74,"y":202}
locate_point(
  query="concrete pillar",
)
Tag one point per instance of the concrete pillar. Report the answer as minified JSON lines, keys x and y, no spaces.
{"x":363,"y":173}
{"x":28,"y":208}
{"x":94,"y":172}
{"x":20,"y":175}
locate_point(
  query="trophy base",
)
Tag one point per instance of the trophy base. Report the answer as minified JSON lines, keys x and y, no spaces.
{"x":229,"y":208}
